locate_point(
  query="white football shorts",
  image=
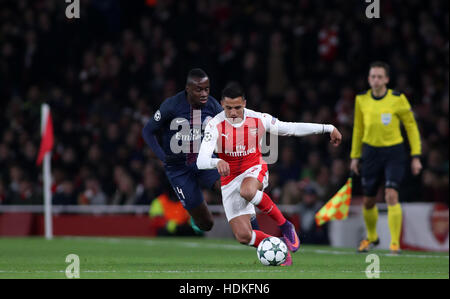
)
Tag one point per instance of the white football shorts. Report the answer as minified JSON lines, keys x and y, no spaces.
{"x":233,"y":203}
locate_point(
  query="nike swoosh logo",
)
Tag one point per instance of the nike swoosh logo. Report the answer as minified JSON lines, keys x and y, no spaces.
{"x":179,"y":121}
{"x":226,"y":136}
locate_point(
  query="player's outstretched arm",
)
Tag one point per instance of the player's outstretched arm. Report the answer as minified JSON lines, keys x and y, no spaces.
{"x":277,"y":127}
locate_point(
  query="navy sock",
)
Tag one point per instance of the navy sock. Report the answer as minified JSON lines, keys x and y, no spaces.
{"x":254,"y":222}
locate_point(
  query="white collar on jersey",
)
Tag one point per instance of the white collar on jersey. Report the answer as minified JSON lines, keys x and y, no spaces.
{"x":237,"y":125}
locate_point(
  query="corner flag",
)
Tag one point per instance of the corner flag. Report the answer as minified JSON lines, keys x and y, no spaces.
{"x":337,"y":207}
{"x":45,"y":156}
{"x":46,"y":132}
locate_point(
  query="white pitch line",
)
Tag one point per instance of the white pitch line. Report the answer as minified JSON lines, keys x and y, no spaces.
{"x":336,"y":252}
{"x":193,"y":244}
{"x":209,"y":271}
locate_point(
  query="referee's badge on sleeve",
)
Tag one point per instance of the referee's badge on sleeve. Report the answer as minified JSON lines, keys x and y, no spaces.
{"x":386,"y":118}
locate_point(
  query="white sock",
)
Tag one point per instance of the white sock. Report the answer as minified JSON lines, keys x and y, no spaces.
{"x":252,"y":241}
{"x":257,"y":198}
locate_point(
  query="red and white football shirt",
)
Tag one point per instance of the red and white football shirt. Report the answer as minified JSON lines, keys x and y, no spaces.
{"x":239,"y":144}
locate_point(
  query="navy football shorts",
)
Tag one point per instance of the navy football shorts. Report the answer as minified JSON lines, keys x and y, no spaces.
{"x":382,"y":162}
{"x":187,"y":182}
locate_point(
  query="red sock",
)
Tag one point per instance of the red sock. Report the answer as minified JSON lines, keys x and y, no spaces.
{"x":268,"y":207}
{"x":257,"y":237}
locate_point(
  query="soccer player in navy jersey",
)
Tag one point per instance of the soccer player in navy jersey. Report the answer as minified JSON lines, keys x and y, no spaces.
{"x":182,"y":119}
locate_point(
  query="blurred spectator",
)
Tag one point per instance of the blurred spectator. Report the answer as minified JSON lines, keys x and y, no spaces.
{"x":126,"y":191}
{"x":274,"y":189}
{"x":92,"y":194}
{"x":3,"y":193}
{"x":308,"y":207}
{"x":338,"y":175}
{"x":276,"y":71}
{"x":288,"y":167}
{"x":311,"y":169}
{"x":435,"y":178}
{"x":25,"y":195}
{"x":152,"y":186}
{"x":65,"y":194}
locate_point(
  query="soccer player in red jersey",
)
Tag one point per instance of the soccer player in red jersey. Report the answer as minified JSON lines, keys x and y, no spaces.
{"x":236,"y":136}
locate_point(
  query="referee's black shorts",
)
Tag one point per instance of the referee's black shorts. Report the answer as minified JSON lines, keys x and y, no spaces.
{"x":382,"y":162}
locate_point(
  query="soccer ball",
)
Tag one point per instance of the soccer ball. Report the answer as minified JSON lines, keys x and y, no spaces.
{"x":272,"y":251}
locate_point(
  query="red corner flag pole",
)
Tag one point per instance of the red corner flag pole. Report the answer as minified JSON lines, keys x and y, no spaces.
{"x":45,"y":156}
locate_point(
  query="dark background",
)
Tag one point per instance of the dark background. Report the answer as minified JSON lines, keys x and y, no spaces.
{"x":106,"y":73}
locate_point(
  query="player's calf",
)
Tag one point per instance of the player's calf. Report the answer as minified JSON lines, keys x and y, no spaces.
{"x":241,"y":229}
{"x":243,"y":236}
{"x":244,"y":233}
{"x":202,"y":218}
{"x":204,"y":224}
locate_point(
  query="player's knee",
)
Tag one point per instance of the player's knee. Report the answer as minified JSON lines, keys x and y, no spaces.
{"x":243,"y":237}
{"x":391,"y":196}
{"x":247,"y":193}
{"x":369,"y":202}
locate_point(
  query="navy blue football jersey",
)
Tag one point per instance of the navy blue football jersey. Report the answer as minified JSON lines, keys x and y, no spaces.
{"x":181,"y":128}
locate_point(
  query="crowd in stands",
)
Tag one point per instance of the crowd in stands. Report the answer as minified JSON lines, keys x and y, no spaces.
{"x":106,"y":73}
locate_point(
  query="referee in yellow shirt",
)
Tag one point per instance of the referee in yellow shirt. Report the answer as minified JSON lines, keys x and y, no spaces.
{"x":378,"y":151}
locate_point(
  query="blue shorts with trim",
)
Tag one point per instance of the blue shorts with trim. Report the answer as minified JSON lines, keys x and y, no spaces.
{"x":187,"y":182}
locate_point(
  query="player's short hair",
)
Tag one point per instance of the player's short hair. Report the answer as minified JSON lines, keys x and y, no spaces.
{"x":233,"y":90}
{"x":383,"y":65}
{"x":195,"y":74}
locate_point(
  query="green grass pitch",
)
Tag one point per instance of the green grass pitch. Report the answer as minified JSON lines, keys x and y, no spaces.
{"x":202,"y":258}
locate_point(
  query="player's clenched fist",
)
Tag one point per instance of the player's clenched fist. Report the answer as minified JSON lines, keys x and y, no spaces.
{"x":223,"y":168}
{"x":336,"y":137}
